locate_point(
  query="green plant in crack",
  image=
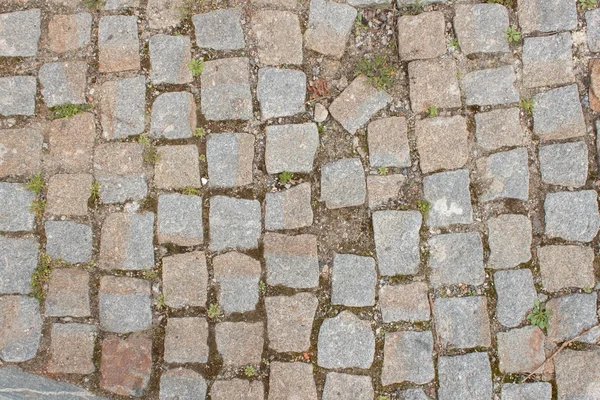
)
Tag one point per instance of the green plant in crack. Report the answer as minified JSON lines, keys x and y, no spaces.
{"x":150,"y":154}
{"x":383,"y":397}
{"x":199,"y":133}
{"x":68,"y":110}
{"x":512,"y":34}
{"x":539,"y":315}
{"x":382,"y":171}
{"x":506,"y":3}
{"x":191,"y":191}
{"x":38,"y":206}
{"x":587,"y":4}
{"x":95,"y":191}
{"x":527,"y":106}
{"x":432,"y":111}
{"x":36,"y":184}
{"x":40,"y":277}
{"x":249,"y":371}
{"x":424,"y":206}
{"x":453,"y":43}
{"x":93,"y":4}
{"x":214,"y":311}
{"x":361,"y":23}
{"x":196,"y":66}
{"x":262,"y":287}
{"x":285,"y":177}
{"x":160,"y":301}
{"x":378,"y":71}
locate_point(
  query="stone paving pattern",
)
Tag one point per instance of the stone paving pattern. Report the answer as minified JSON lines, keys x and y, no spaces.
{"x":237,"y":213}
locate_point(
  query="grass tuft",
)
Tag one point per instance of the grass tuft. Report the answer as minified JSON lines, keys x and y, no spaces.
{"x":40,"y":277}
{"x":382,"y":171}
{"x":191,"y":191}
{"x":432,"y":111}
{"x":285,"y":177}
{"x":36,"y":184}
{"x":68,"y":110}
{"x":587,"y":4}
{"x":214,"y":311}
{"x":424,"y":206}
{"x":527,"y":106}
{"x":196,"y":66}
{"x":539,"y":315}
{"x":95,"y":191}
{"x":378,"y":71}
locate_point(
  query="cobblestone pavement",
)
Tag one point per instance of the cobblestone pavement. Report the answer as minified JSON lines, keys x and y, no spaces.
{"x":299,"y":199}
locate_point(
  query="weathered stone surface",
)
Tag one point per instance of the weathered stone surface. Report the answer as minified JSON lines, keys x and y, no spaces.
{"x":290,"y":320}
{"x":344,"y":386}
{"x":499,"y":128}
{"x":15,"y":213}
{"x":462,"y":322}
{"x":230,"y":158}
{"x":288,"y":380}
{"x":443,"y":143}
{"x":594,"y":101}
{"x":397,"y":241}
{"x":383,"y":188}
{"x":225,"y":90}
{"x":547,"y":60}
{"x":480,"y":28}
{"x":164,"y":14}
{"x":491,"y":86}
{"x":240,"y":343}
{"x":509,"y":239}
{"x":185,"y":279}
{"x":219,"y":29}
{"x":527,"y":391}
{"x":127,"y":241}
{"x":17,"y":95}
{"x":565,"y":266}
{"x":237,"y":277}
{"x":278,"y":36}
{"x":291,"y":148}
{"x":421,"y":36}
{"x":182,"y":384}
{"x":572,"y":215}
{"x":557,"y":114}
{"x":20,"y":328}
{"x":126,"y":365}
{"x":234,"y":223}
{"x":521,"y":350}
{"x":388,"y":143}
{"x":118,"y":43}
{"x":505,"y":175}
{"x":515,"y":296}
{"x":186,"y":340}
{"x":413,"y":394}
{"x":69,"y":241}
{"x":237,"y":389}
{"x":353,"y":280}
{"x":70,"y":144}
{"x":407,"y":357}
{"x":592,"y":22}
{"x":345,"y":341}
{"x":20,"y":33}
{"x":343,"y":183}
{"x":68,"y":293}
{"x":577,"y":374}
{"x":289,"y":209}
{"x":404,"y":302}
{"x":456,"y":258}
{"x":72,"y":349}
{"x":63,"y":82}
{"x":68,"y":194}
{"x":173,"y":116}
{"x":358,"y":103}
{"x":177,"y":167}
{"x":564,"y":164}
{"x":329,"y":26}
{"x":180,"y":219}
{"x":465,"y":377}
{"x":18,"y":259}
{"x":169,"y":59}
{"x":69,"y":32}
{"x":281,"y":92}
{"x":547,"y":15}
{"x":121,"y":4}
{"x":125,"y":304}
{"x":433,"y":83}
{"x":284,"y":4}
{"x":123,"y":107}
{"x":291,"y":260}
{"x":573,"y":314}
{"x":450,"y":198}
{"x":118,"y":158}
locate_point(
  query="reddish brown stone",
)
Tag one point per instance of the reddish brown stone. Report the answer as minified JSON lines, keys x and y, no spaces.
{"x":595,"y":84}
{"x":72,"y":349}
{"x":68,"y":194}
{"x":126,"y":365}
{"x":69,"y":32}
{"x":20,"y":152}
{"x":70,"y":144}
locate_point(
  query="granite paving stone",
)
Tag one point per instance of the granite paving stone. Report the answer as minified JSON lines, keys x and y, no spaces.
{"x":21,"y":330}
{"x":287,"y":380}
{"x":413,"y":394}
{"x":353,"y":280}
{"x":572,"y":314}
{"x":69,"y":241}
{"x":493,"y":86}
{"x":179,"y":219}
{"x":186,"y":340}
{"x":162,"y":15}
{"x":182,"y":384}
{"x":225,"y":89}
{"x":521,"y":350}
{"x":20,"y":33}
{"x":70,"y":145}
{"x":219,"y":29}
{"x":234,"y":223}
{"x":329,"y":26}
{"x":407,"y":357}
{"x":564,"y":164}
{"x":480,"y":28}
{"x":63,"y":82}
{"x":557,"y":114}
{"x":68,"y":194}
{"x":291,"y":148}
{"x":118,"y":43}
{"x":237,"y":276}
{"x":449,"y":196}
{"x":397,"y":241}
{"x":69,"y":32}
{"x":565,"y":266}
{"x":177,"y":167}
{"x":505,"y":175}
{"x":68,"y":293}
{"x":20,"y":152}
{"x":592,"y":21}
{"x":547,"y":15}
{"x":465,"y":377}
{"x":240,"y":343}
{"x":442,"y":143}
{"x":237,"y":389}
{"x":462,"y":322}
{"x":289,"y":209}
{"x":278,"y":37}
{"x":173,"y":116}
{"x":15,"y":213}
{"x":17,"y":95}
{"x":185,"y":279}
{"x":406,"y":302}
{"x":122,"y":107}
{"x":72,"y":348}
{"x":527,"y":391}
{"x":509,"y":240}
{"x":18,"y":259}
{"x":281,"y":92}
{"x":126,"y":241}
{"x":572,"y":215}
{"x":388,"y":143}
{"x":291,"y":260}
{"x":125,"y":304}
{"x":283,"y":4}
{"x":343,"y":183}
{"x":111,"y":5}
{"x":169,"y":59}
{"x":230,"y":158}
{"x":343,"y":386}
{"x":421,"y":36}
{"x":126,"y":364}
{"x":547,"y":60}
{"x":456,"y":258}
{"x":290,"y":321}
{"x":516,"y":295}
{"x":577,"y":374}
{"x":499,"y":128}
{"x":382,"y":189}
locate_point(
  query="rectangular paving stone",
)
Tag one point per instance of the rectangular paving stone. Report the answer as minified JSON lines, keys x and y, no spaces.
{"x":480,"y":28}
{"x":169,"y":59}
{"x":383,"y":188}
{"x":119,"y":189}
{"x":388,"y":143}
{"x":572,"y":215}
{"x":173,"y":116}
{"x":118,"y":43}
{"x":69,"y":241}
{"x":123,"y":107}
{"x":63,"y":82}
{"x":442,"y":143}
{"x":290,"y":321}
{"x":21,"y":153}
{"x":236,"y":388}
{"x":397,"y":241}
{"x":449,"y":196}
{"x":408,"y":302}
{"x":68,"y":194}
{"x":408,"y":357}
{"x":592,"y":23}
{"x":68,"y":293}
{"x":234,"y":223}
{"x":15,"y":213}
{"x":70,"y":144}
{"x":111,"y":5}
{"x":289,"y":209}
{"x":521,"y":350}
{"x":183,"y":383}
{"x":118,"y":158}
{"x":456,"y":258}
{"x":433,"y":83}
{"x":72,"y":349}
{"x":491,"y":86}
{"x":287,"y":379}
{"x":283,"y":4}
{"x":564,"y":164}
{"x":179,"y":219}
{"x":230,"y":158}
{"x":462,"y":322}
{"x":563,"y":102}
{"x":17,"y":95}
{"x":125,"y":304}
{"x":126,"y":241}
{"x":186,"y":340}
{"x":577,"y":374}
{"x":547,"y":60}
{"x":237,"y":276}
{"x":353,"y":280}
{"x":547,"y":15}
{"x":509,"y":240}
{"x":329,"y":26}
{"x":69,"y":32}
{"x":278,"y":37}
{"x":465,"y":377}
{"x":499,"y":128}
{"x":291,"y":148}
{"x":527,"y":391}
{"x":565,"y":266}
{"x":162,"y":15}
{"x":572,"y":314}
{"x":21,"y":330}
{"x":177,"y":167}
{"x":18,"y":259}
{"x":225,"y":90}
{"x":505,"y":175}
{"x":129,"y":378}
{"x":20,"y":33}
{"x":291,"y":260}
{"x":343,"y":183}
{"x":219,"y":29}
{"x":281,"y":92}
{"x":515,"y":296}
{"x":344,"y":386}
{"x":421,"y":36}
{"x":240,"y":343}
{"x":185,"y":280}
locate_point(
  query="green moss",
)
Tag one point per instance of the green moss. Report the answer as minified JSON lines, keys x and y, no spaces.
{"x":68,"y":110}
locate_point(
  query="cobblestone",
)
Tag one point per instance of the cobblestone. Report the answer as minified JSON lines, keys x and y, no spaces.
{"x":572,"y":215}
{"x":566,"y":266}
{"x":127,"y":241}
{"x":421,"y":36}
{"x":238,"y":389}
{"x":343,"y":386}
{"x":571,"y":315}
{"x":547,"y":16}
{"x":505,"y":175}
{"x":515,"y":296}
{"x":465,"y":377}
{"x":480,"y":28}
{"x":490,"y":86}
{"x":69,"y":241}
{"x":353,"y":280}
{"x":69,"y":32}
{"x":449,"y":196}
{"x":329,"y":26}
{"x":509,"y":239}
{"x":125,"y":304}
{"x":442,"y":143}
{"x":527,"y":391}
{"x":291,"y":379}
{"x":433,"y":83}
{"x":237,"y":277}
{"x":499,"y":128}
{"x":564,"y":164}
{"x":521,"y":350}
{"x":388,"y":143}
{"x":15,"y":214}
{"x":397,"y":241}
{"x":343,"y":183}
{"x":21,"y":153}
{"x":279,"y":40}
{"x":463,"y":322}
{"x":17,"y":95}
{"x":234,"y":223}
{"x":173,"y":115}
{"x":281,"y":92}
{"x":186,"y":340}
{"x":20,"y":33}
{"x":118,"y":43}
{"x":182,"y":384}
{"x":225,"y":89}
{"x":456,"y":258}
{"x":72,"y":348}
{"x":63,"y":82}
{"x":291,"y":148}
{"x":177,"y":167}
{"x":68,"y":194}
{"x":126,"y":365}
{"x":219,"y":29}
{"x":290,"y":320}
{"x":289,"y":209}
{"x":547,"y":60}
{"x":68,"y":293}
{"x":557,"y":114}
{"x":291,"y":260}
{"x":382,"y":189}
{"x":21,"y":328}
{"x":230,"y":157}
{"x":407,"y":357}
{"x":240,"y":343}
{"x":577,"y":373}
{"x":404,"y":302}
{"x":70,"y":145}
{"x":179,"y":219}
{"x":592,"y":18}
{"x":122,"y":107}
{"x":185,"y":280}
{"x":18,"y":261}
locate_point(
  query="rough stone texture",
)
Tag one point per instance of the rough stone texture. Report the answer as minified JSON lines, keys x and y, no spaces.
{"x":173,"y":116}
{"x":388,"y":143}
{"x":237,"y":389}
{"x":125,"y":304}
{"x":15,"y":382}
{"x":291,"y":148}
{"x":68,"y":293}
{"x":383,"y":188}
{"x":358,"y":103}
{"x":594,"y":89}
{"x":565,"y":266}
{"x":182,"y":384}
{"x":237,"y":277}
{"x":345,"y":341}
{"x":225,"y":89}
{"x":592,"y":22}
{"x":397,"y":241}
{"x":127,"y":241}
{"x":17,"y":95}
{"x":126,"y":365}
{"x":456,"y":258}
{"x":186,"y":340}
{"x":164,"y":14}
{"x":289,"y":209}
{"x":278,"y":36}
{"x":69,"y":32}
{"x":180,"y":219}
{"x":185,"y":279}
{"x":509,"y":239}
{"x":21,"y":328}
{"x":547,"y":60}
{"x":72,"y":349}
{"x":343,"y":183}
{"x":515,"y":296}
{"x":230,"y":157}
{"x":521,"y":350}
{"x":353,"y":280}
{"x":329,"y":26}
{"x":462,"y":322}
{"x":345,"y":386}
{"x":18,"y":259}
{"x":557,"y":114}
{"x":490,"y":86}
{"x":15,"y":213}
{"x":564,"y":164}
{"x":70,"y":144}
{"x":505,"y":175}
{"x":421,"y":36}
{"x":407,"y":357}
{"x":408,"y":303}
{"x":68,"y":194}
{"x":289,"y":380}
{"x":118,"y":44}
{"x":413,"y":394}
{"x":465,"y":377}
{"x":577,"y":374}
{"x":219,"y":29}
{"x":571,"y":315}
{"x":290,"y":320}
{"x":284,"y":4}
{"x":480,"y":28}
{"x":69,"y":241}
{"x":123,"y":107}
{"x":119,"y":168}
{"x":433,"y":83}
{"x":443,"y":143}
{"x":291,"y":260}
{"x":527,"y":391}
{"x":572,"y":215}
{"x":169,"y":59}
{"x":63,"y":82}
{"x":240,"y":343}
{"x":499,"y":128}
{"x":547,"y":15}
{"x":20,"y":33}
{"x":449,"y":196}
{"x":121,"y":4}
{"x":234,"y":223}
{"x":177,"y":167}
{"x":281,"y":92}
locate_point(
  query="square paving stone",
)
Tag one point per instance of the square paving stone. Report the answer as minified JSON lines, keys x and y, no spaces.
{"x":462,"y":322}
{"x":281,"y":92}
{"x":237,"y":277}
{"x":443,"y":143}
{"x":547,"y":60}
{"x":120,"y":4}
{"x":225,"y":90}
{"x":547,"y":15}
{"x":126,"y":365}
{"x":21,"y":153}
{"x":577,"y":374}
{"x":163,"y":14}
{"x":185,"y":280}
{"x":345,"y":386}
{"x":69,"y":241}
{"x":68,"y":194}
{"x":70,"y":144}
{"x":480,"y":28}
{"x":173,"y":116}
{"x":63,"y":82}
{"x":566,"y":266}
{"x":505,"y":175}
{"x":72,"y":349}
{"x":177,"y":167}
{"x":383,"y":188}
{"x":118,"y":43}
{"x":499,"y":128}
{"x":408,"y":303}
{"x":564,"y":164}
{"x":68,"y":293}
{"x":572,"y":314}
{"x":169,"y":59}
{"x":358,"y":103}
{"x":557,"y":114}
{"x":345,"y":341}
{"x":521,"y":350}
{"x":465,"y":377}
{"x":69,"y":32}
{"x":180,"y":219}
{"x":509,"y":239}
{"x":289,"y":209}
{"x":433,"y":83}
{"x":456,"y":258}
{"x":388,"y":143}
{"x":230,"y":158}
{"x":329,"y":26}
{"x":572,"y":215}
{"x":20,"y":33}
{"x":490,"y":86}
{"x":343,"y":183}
{"x":408,"y":357}
{"x":397,"y":241}
{"x":515,"y":296}
{"x":15,"y":213}
{"x":234,"y":223}
{"x":21,"y":328}
{"x":291,"y":379}
{"x":290,"y":321}
{"x":421,"y":36}
{"x":592,"y":22}
{"x":123,"y":107}
{"x":278,"y":37}
{"x":186,"y":340}
{"x":18,"y":260}
{"x":127,"y":241}
{"x":291,"y":260}
{"x":17,"y":95}
{"x":450,"y":198}
{"x":125,"y":304}
{"x":353,"y":280}
{"x":182,"y":383}
{"x":219,"y":29}
{"x":291,"y":148}
{"x":237,"y":389}
{"x":527,"y":391}
{"x":240,"y":343}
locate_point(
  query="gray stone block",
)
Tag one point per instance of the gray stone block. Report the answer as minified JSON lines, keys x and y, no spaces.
{"x":343,"y":183}
{"x":397,"y":241}
{"x":69,"y":241}
{"x":527,"y":391}
{"x":169,"y":59}
{"x":127,"y":241}
{"x":177,"y":167}
{"x":230,"y":158}
{"x":557,"y":114}
{"x":442,"y":143}
{"x":462,"y":322}
{"x":63,"y":82}
{"x":353,"y":280}
{"x":180,"y":219}
{"x":480,"y":28}
{"x":592,"y":22}
{"x":123,"y":107}
{"x":465,"y":377}
{"x":492,"y":86}
{"x":234,"y":223}
{"x":456,"y":258}
{"x":499,"y":128}
{"x":572,"y":215}
{"x":289,"y":209}
{"x":564,"y":164}
{"x":345,"y":386}
{"x":281,"y":92}
{"x":408,"y":303}
{"x":20,"y":329}
{"x":125,"y":304}
{"x":408,"y":357}
{"x":515,"y":296}
{"x":547,"y":61}
{"x":577,"y":374}
{"x":225,"y":90}
{"x":421,"y":36}
{"x":17,"y":95}
{"x":505,"y":175}
{"x":219,"y":29}
{"x":18,"y":259}
{"x":240,"y":343}
{"x":68,"y":293}
{"x":120,"y":189}
{"x":237,"y":277}
{"x":173,"y":116}
{"x":388,"y":143}
{"x":291,"y":260}
{"x":572,"y":314}
{"x":20,"y":33}
{"x":234,"y":388}
{"x":433,"y":82}
{"x":15,"y":213}
{"x":291,"y":148}
{"x":566,"y":266}
{"x":547,"y":15}
{"x":185,"y":279}
{"x":449,"y":196}
{"x":329,"y":26}
{"x":182,"y":384}
{"x":21,"y":152}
